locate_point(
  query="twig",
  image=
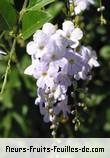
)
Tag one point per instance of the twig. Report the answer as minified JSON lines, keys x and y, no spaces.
{"x":13,"y":48}
{"x":8,"y":66}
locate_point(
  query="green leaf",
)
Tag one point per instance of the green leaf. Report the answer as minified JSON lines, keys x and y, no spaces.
{"x":33,"y":2}
{"x":14,"y":80}
{"x":38,"y":4}
{"x":55,"y":8}
{"x":20,"y":121}
{"x":105,"y":52}
{"x":11,"y":1}
{"x":108,"y":115}
{"x":7,"y":15}
{"x":32,"y":21}
{"x":7,"y":122}
{"x":6,"y":99}
{"x":107,"y":127}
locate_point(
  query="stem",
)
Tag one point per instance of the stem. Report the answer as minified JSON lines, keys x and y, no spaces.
{"x":13,"y":48}
{"x":102,"y":19}
{"x":25,"y":4}
{"x":2,"y":34}
{"x":101,"y":10}
{"x":8,"y":66}
{"x":23,"y":10}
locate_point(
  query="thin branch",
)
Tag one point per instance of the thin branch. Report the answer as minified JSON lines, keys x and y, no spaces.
{"x":8,"y":66}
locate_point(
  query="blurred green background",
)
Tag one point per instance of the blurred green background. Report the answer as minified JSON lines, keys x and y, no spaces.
{"x":19,"y":117}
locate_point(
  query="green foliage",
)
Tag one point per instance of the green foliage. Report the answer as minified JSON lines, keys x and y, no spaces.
{"x":7,"y":15}
{"x":38,"y":4}
{"x":55,"y":8}
{"x":32,"y":21}
{"x":34,"y":17}
{"x":105,"y":52}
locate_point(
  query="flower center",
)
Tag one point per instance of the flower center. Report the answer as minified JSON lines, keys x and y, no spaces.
{"x":41,"y":47}
{"x":54,"y":57}
{"x":44,"y":74}
{"x":68,"y":36}
{"x":71,"y":61}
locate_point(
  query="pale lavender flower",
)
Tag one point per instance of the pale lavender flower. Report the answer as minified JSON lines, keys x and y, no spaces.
{"x":31,"y":48}
{"x":72,"y":33}
{"x":45,"y":113}
{"x":31,"y":70}
{"x":81,"y":5}
{"x":76,"y":35}
{"x":61,"y":41}
{"x":74,"y":62}
{"x":59,"y":92}
{"x":63,"y":79}
{"x":68,"y":27}
{"x":62,"y":107}
{"x":89,"y":56}
{"x":52,"y":52}
{"x":40,"y":100}
{"x":49,"y":29}
{"x":45,"y":81}
{"x":89,"y":60}
{"x":83,"y":74}
{"x":40,"y":42}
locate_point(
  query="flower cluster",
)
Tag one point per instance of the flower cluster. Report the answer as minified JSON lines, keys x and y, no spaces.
{"x":56,"y":65}
{"x":80,"y":5}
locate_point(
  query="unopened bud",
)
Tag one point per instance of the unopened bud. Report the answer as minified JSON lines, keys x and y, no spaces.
{"x":102,"y":8}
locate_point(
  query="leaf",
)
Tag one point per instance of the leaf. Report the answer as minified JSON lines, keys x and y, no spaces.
{"x":14,"y":80}
{"x":20,"y":121}
{"x":33,"y":2}
{"x":6,"y":99}
{"x":38,"y":4}
{"x":55,"y":9}
{"x":7,"y":15}
{"x":107,"y":127}
{"x":32,"y":21}
{"x":105,"y":52}
{"x":7,"y":122}
{"x":108,"y":115}
{"x":11,"y":1}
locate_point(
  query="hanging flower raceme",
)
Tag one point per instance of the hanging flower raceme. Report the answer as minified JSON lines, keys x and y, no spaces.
{"x":56,"y":65}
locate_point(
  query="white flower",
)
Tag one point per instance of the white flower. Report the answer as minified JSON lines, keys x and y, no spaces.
{"x":76,"y":35}
{"x":60,"y":40}
{"x":68,"y":27}
{"x":52,"y":52}
{"x":81,"y":5}
{"x":89,"y":60}
{"x":59,"y":92}
{"x":49,"y":29}
{"x":30,"y":70}
{"x":62,"y":107}
{"x":45,"y":113}
{"x":72,"y":33}
{"x":45,"y":81}
{"x":74,"y":62}
{"x":37,"y":46}
{"x":41,"y":97}
{"x":89,"y":56}
{"x":40,"y":37}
